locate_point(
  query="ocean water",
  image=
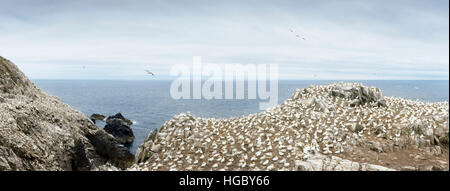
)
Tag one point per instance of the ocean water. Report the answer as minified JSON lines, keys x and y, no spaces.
{"x":149,"y":104}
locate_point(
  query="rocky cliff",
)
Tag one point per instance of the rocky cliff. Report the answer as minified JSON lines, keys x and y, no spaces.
{"x":342,"y":126}
{"x":39,"y":132}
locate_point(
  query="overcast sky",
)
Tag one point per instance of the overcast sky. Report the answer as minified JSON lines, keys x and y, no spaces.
{"x":120,"y":39}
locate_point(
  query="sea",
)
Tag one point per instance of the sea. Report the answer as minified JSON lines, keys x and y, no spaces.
{"x":149,"y":103}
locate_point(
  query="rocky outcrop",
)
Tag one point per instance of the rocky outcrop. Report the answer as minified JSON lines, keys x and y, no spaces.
{"x":359,"y":94}
{"x":118,"y":126}
{"x":120,"y":130}
{"x":108,"y":147}
{"x":318,"y":128}
{"x":39,"y":132}
{"x":121,"y":117}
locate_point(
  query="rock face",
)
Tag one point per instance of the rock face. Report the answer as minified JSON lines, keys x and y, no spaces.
{"x":121,"y":117}
{"x":108,"y":147}
{"x":40,"y":132}
{"x":120,"y":130}
{"x":359,"y":94}
{"x":318,"y":128}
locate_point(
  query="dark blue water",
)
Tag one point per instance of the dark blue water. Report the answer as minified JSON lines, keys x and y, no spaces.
{"x":149,"y":103}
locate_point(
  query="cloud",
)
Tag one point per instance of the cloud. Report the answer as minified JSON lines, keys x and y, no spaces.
{"x":118,"y":39}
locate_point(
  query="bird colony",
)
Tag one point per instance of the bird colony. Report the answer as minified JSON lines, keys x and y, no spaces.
{"x":327,"y":120}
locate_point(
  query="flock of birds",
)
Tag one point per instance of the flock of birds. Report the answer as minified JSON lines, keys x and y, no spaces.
{"x":276,"y":138}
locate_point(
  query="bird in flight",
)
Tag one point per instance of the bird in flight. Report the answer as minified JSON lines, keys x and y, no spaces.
{"x":297,"y":35}
{"x":149,"y":72}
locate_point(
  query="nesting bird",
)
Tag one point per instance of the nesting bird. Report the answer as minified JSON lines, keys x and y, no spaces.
{"x":317,"y":119}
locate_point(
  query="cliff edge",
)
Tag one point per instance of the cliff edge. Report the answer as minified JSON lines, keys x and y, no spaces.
{"x":39,"y":132}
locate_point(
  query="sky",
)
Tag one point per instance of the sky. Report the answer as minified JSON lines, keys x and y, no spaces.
{"x":344,"y":40}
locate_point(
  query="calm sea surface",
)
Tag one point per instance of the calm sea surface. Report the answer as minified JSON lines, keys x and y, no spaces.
{"x":149,"y":104}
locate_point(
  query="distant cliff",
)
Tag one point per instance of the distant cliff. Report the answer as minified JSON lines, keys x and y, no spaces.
{"x":39,"y":132}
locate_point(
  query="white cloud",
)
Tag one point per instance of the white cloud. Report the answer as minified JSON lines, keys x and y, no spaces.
{"x":117,"y":40}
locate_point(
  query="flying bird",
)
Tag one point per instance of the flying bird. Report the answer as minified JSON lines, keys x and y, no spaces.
{"x":149,"y":72}
{"x":297,"y":35}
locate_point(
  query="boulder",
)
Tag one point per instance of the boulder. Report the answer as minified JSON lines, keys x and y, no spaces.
{"x":120,"y":130}
{"x":108,"y":147}
{"x":121,"y":117}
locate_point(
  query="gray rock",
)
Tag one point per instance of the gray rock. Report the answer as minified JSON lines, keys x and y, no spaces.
{"x":360,"y":95}
{"x":120,"y":130}
{"x":108,"y":147}
{"x":121,"y":117}
{"x":39,"y":131}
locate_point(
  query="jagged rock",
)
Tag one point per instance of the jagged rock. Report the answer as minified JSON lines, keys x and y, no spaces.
{"x":107,"y":146}
{"x":39,"y":131}
{"x":121,"y":117}
{"x":120,"y":130}
{"x":359,"y":94}
{"x":80,"y":161}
